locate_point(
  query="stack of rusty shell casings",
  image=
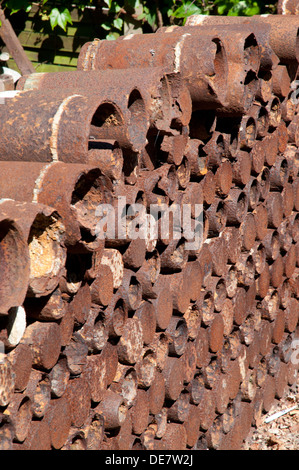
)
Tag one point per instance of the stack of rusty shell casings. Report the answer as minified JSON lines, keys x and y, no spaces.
{"x":117,"y":331}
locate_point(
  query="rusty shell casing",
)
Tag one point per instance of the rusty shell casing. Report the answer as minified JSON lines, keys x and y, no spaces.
{"x":74,"y":190}
{"x":44,"y":233}
{"x":243,"y":56}
{"x":44,"y":340}
{"x":14,"y":262}
{"x":122,"y":114}
{"x":61,"y":123}
{"x":175,"y":51}
{"x":236,"y":64}
{"x":283,"y":35}
{"x":268,"y":58}
{"x":158,"y":89}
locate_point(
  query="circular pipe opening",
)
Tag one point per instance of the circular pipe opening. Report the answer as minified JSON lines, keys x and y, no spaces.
{"x":284,"y":171}
{"x":220,"y":69}
{"x":251,"y":53}
{"x":254,"y":193}
{"x":138,"y":122}
{"x":135,"y":292}
{"x":275,"y":112}
{"x":47,"y":254}
{"x":107,"y":115}
{"x":91,"y":190}
{"x":161,"y":106}
{"x":251,"y":84}
{"x":250,"y":131}
{"x":260,"y":258}
{"x":275,"y":245}
{"x":262,"y":121}
{"x":107,"y":123}
{"x":221,"y":214}
{"x":241,"y":205}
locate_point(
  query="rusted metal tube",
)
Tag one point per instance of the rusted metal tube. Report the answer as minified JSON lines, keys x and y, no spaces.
{"x":131,"y":341}
{"x":114,"y":410}
{"x":275,"y":209}
{"x":146,"y":314}
{"x":217,"y":216}
{"x":119,"y":116}
{"x":274,"y":109}
{"x":158,"y":90}
{"x":282,"y":36}
{"x":15,"y":264}
{"x":78,"y":395}
{"x":156,"y":393}
{"x":236,"y":204}
{"x":44,"y":233}
{"x":146,"y":367}
{"x":261,"y":220}
{"x":21,"y":358}
{"x":45,"y":342}
{"x":7,"y":380}
{"x":62,"y":114}
{"x":58,"y":417}
{"x":261,"y":116}
{"x":265,"y":86}
{"x":241,"y":167}
{"x":109,"y":159}
{"x":264,"y":183}
{"x":21,"y":415}
{"x":173,"y":375}
{"x":116,"y":314}
{"x":247,"y":132}
{"x":252,"y":191}
{"x":281,"y":81}
{"x":174,"y":51}
{"x":178,"y":332}
{"x":279,"y":174}
{"x":75,"y":191}
{"x":243,"y":62}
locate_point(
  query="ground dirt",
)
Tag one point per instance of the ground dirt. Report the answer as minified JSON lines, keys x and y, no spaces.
{"x":281,"y":433}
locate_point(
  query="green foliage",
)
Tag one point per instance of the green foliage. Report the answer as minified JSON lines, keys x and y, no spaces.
{"x":145,"y":14}
{"x":236,"y":8}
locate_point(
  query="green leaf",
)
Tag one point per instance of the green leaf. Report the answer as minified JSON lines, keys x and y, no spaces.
{"x":61,"y":19}
{"x":108,"y":3}
{"x":54,"y":14}
{"x":118,"y":23}
{"x":64,"y":19}
{"x":187,"y":9}
{"x":221,"y":9}
{"x":106,"y":26}
{"x":112,"y":36}
{"x":149,"y":15}
{"x":115,"y":8}
{"x":254,"y":10}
